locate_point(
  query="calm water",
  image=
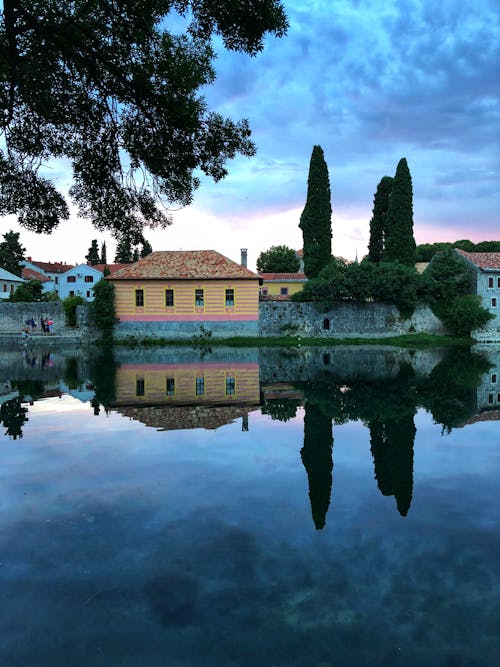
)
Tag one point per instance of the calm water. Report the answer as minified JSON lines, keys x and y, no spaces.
{"x":322,"y":507}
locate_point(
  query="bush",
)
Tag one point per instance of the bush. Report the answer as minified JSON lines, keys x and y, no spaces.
{"x":462,"y":314}
{"x":398,"y":284}
{"x":446,"y":277}
{"x":69,"y":304}
{"x":102,"y":308}
{"x":27,"y":292}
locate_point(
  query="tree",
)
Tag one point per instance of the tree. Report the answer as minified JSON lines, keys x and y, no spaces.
{"x":92,"y":256}
{"x":102,"y":308}
{"x":124,"y":250}
{"x":146,"y":248}
{"x":103,"y":258}
{"x":69,"y":306}
{"x":315,"y":221}
{"x":378,"y":221}
{"x":28,"y":292}
{"x":399,"y":242}
{"x":446,"y":277}
{"x":278,"y":259}
{"x":106,"y":86}
{"x":11,"y":253}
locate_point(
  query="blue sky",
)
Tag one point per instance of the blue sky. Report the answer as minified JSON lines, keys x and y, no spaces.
{"x":370,"y":82}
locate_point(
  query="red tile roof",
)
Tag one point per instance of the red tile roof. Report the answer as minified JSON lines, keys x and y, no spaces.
{"x":52,"y":267}
{"x":31,"y":274}
{"x":300,"y":253}
{"x":113,"y":268}
{"x":184,"y":265}
{"x":283,"y":276}
{"x":483,"y":260}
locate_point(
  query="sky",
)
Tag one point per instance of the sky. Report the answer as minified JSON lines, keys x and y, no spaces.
{"x":370,"y":82}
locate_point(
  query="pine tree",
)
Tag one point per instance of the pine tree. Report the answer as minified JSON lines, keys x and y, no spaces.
{"x":124,"y":251}
{"x":103,"y":253}
{"x":92,"y":256}
{"x":146,"y":248}
{"x":135,"y":255}
{"x":11,"y":253}
{"x":399,"y":241}
{"x":315,"y":220}
{"x":378,"y":221}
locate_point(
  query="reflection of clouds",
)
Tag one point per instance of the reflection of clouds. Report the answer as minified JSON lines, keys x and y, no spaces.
{"x":66,"y":403}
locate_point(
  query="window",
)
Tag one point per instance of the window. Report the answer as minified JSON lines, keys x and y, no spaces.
{"x":88,"y":293}
{"x":326,"y":324}
{"x":139,"y":298}
{"x":490,"y":399}
{"x":498,"y":283}
{"x":12,"y":289}
{"x":89,"y":279}
{"x":71,"y":279}
{"x":493,"y":302}
{"x":490,"y":282}
{"x":57,"y":280}
{"x":263,"y":291}
{"x":493,"y":378}
{"x":230,"y":297}
{"x":200,"y":386}
{"x":139,"y":387}
{"x":284,"y":291}
{"x":72,"y":292}
{"x":169,"y":298}
{"x":170,"y":386}
{"x":498,"y":398}
{"x":230,"y":386}
{"x":326,"y":359}
{"x":4,"y":287}
{"x":198,"y":298}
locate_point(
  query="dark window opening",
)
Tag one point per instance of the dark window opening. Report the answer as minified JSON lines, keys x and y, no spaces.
{"x":326,"y":324}
{"x":200,"y":386}
{"x":139,"y":387}
{"x":71,"y":279}
{"x":326,"y":359}
{"x":170,"y":386}
{"x":89,"y":279}
{"x":230,"y":386}
{"x":139,"y":297}
{"x":199,"y":298}
{"x":169,"y":297}
{"x":230,"y":297}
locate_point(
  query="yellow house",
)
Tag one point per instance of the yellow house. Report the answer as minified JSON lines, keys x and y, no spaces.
{"x":184,"y":293}
{"x":281,"y":286}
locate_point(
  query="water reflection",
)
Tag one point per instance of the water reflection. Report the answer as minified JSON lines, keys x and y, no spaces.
{"x":180,"y":389}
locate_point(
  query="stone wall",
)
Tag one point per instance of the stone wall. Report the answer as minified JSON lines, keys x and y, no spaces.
{"x":349,"y":320}
{"x":182,"y":330}
{"x":14,"y":315}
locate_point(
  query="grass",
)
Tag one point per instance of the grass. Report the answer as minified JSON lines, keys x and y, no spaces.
{"x":421,"y":340}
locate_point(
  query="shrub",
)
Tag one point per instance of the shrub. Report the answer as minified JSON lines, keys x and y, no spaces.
{"x":446,"y":277}
{"x":27,"y":292}
{"x":398,"y":284}
{"x":69,"y":304}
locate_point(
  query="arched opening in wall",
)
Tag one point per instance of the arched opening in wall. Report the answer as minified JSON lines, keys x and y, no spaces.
{"x":326,"y":324}
{"x":326,"y":359}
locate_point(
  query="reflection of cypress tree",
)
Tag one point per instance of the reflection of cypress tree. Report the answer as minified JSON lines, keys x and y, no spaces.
{"x":392,"y":450}
{"x":13,"y":416}
{"x":103,"y":374}
{"x":316,"y":456}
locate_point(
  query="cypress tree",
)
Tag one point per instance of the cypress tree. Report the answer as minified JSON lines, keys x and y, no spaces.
{"x":315,"y":221}
{"x":92,"y":256}
{"x":124,"y":251}
{"x":104,"y":259}
{"x":378,"y":221}
{"x":399,"y":242}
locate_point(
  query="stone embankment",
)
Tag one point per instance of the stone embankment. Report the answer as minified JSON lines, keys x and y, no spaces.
{"x":13,"y":317}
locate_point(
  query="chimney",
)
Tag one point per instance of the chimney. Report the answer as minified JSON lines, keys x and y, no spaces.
{"x":244,"y":257}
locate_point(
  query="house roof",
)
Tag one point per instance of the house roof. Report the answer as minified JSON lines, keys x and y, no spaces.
{"x":183,"y":265}
{"x":51,"y":267}
{"x":300,"y":253}
{"x":7,"y":275}
{"x":483,"y":260}
{"x":31,"y":274}
{"x":113,"y":268}
{"x":299,"y":277}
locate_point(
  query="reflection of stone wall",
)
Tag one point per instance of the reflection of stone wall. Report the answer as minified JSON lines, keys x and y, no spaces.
{"x":348,"y":320}
{"x":169,"y":418}
{"x":344,"y":362}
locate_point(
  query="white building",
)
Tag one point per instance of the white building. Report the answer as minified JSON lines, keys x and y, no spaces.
{"x":8,"y":283}
{"x":52,"y":270}
{"x":79,"y":281}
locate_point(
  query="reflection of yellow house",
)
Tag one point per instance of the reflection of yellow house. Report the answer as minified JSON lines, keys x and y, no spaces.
{"x":188,"y":384}
{"x":280,"y":286}
{"x":182,"y":293}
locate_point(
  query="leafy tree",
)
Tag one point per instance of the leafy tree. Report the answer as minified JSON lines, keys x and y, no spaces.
{"x":102,"y":308}
{"x":13,"y":415}
{"x":146,"y":248}
{"x":446,"y":277}
{"x":11,"y":253}
{"x":399,"y":241}
{"x":114,"y":88}
{"x":278,"y":259}
{"x":315,"y":221}
{"x":124,"y":252}
{"x":398,"y":284}
{"x":103,"y":259}
{"x":426,"y":251}
{"x":69,"y":306}
{"x":281,"y":409}
{"x":331,"y":286}
{"x":28,"y":292}
{"x":463,"y":314}
{"x":92,"y":256}
{"x":378,"y":222}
